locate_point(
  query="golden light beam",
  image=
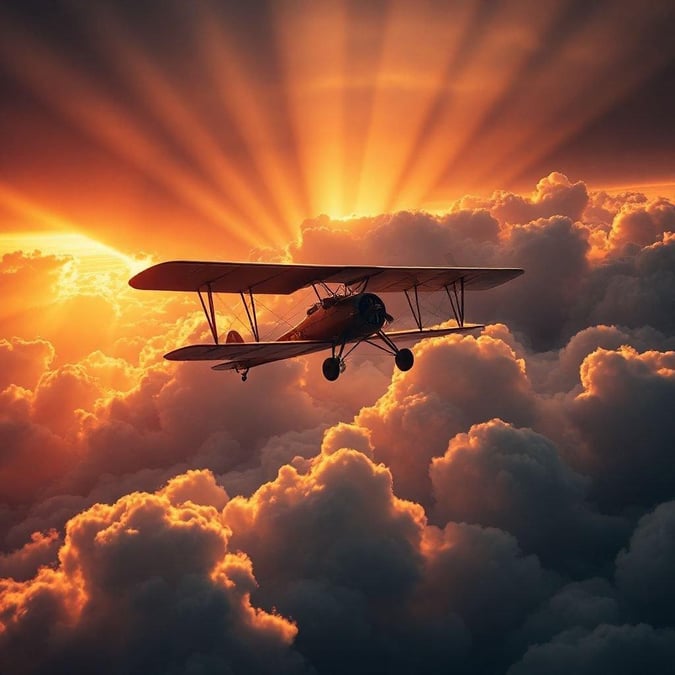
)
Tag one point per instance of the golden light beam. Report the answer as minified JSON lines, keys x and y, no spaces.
{"x":311,"y":38}
{"x":626,"y":62}
{"x":16,"y":202}
{"x":587,"y":62}
{"x":80,"y":100}
{"x":248,"y":103}
{"x":53,"y":233}
{"x":364,"y":52}
{"x":469,"y":27}
{"x":176,"y":113}
{"x":340,"y":107}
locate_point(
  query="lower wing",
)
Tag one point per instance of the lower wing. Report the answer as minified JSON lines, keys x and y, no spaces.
{"x":247,"y":354}
{"x":242,"y":355}
{"x":410,"y":336}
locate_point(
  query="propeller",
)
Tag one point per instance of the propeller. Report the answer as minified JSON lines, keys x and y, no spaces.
{"x":372,"y":309}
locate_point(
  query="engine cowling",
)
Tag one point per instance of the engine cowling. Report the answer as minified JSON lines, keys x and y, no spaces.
{"x":372,"y":310}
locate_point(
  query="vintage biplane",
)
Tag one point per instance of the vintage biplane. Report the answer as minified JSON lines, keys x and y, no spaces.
{"x":348,"y":310}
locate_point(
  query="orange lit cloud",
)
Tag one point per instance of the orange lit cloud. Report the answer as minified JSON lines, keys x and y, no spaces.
{"x":118,"y":563}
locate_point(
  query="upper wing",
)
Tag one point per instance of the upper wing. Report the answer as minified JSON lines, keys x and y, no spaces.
{"x":246,"y":354}
{"x":277,"y":278}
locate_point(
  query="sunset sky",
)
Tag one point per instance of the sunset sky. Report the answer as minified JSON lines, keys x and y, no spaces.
{"x":505,"y":506}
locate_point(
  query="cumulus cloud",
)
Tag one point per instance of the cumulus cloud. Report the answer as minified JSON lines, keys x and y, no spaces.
{"x":634,"y":291}
{"x":616,"y":649}
{"x":577,"y":605}
{"x":22,"y":362}
{"x":625,"y":424}
{"x":456,"y":382}
{"x":555,"y":195}
{"x":149,"y":569}
{"x":641,"y":225}
{"x":370,"y":584}
{"x":553,"y":253}
{"x":24,"y":562}
{"x":515,"y":479}
{"x":644,"y":568}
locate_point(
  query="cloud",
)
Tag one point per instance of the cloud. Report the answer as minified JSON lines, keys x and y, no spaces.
{"x":555,"y":195}
{"x":644,"y":568}
{"x":641,"y":225}
{"x":553,"y":253}
{"x":634,"y":291}
{"x":529,"y":453}
{"x":577,"y":605}
{"x":23,"y":563}
{"x":482,"y":575}
{"x":334,"y":547}
{"x":22,"y":362}
{"x":624,"y":422}
{"x":616,"y":649}
{"x":559,"y":371}
{"x":456,"y":382}
{"x":566,"y":239}
{"x":150,"y":569}
{"x":515,"y":479}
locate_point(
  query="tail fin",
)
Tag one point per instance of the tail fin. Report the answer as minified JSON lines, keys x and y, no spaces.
{"x":233,"y":336}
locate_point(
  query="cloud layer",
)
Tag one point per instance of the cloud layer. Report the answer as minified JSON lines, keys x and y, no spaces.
{"x":504,"y":506}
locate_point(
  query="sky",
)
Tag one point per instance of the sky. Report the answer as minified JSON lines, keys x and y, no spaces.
{"x":506,"y":506}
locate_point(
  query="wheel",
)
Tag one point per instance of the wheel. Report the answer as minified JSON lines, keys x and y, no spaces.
{"x":331,"y":368}
{"x":404,"y":359}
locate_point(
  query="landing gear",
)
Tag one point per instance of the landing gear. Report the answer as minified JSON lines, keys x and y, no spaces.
{"x":331,"y":368}
{"x":243,"y":373}
{"x":404,"y":359}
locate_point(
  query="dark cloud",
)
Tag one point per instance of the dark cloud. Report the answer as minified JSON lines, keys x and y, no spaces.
{"x":515,"y":479}
{"x":455,"y":383}
{"x":616,"y":649}
{"x":577,"y":605}
{"x":625,"y":425}
{"x":644,"y":568}
{"x":634,"y":290}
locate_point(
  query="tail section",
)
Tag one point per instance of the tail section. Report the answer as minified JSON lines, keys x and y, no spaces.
{"x":233,"y":336}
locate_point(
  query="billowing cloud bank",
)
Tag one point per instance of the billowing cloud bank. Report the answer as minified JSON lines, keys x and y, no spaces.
{"x":505,"y":506}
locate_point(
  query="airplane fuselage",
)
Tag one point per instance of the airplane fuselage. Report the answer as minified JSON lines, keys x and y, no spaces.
{"x":341,"y":318}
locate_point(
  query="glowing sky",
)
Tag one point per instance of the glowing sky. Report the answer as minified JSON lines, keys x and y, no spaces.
{"x":506,"y":506}
{"x":235,"y":121}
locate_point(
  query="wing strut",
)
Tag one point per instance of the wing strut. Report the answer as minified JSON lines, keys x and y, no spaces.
{"x":209,"y":313}
{"x":251,"y":313}
{"x":417,"y":314}
{"x":457,"y":301}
